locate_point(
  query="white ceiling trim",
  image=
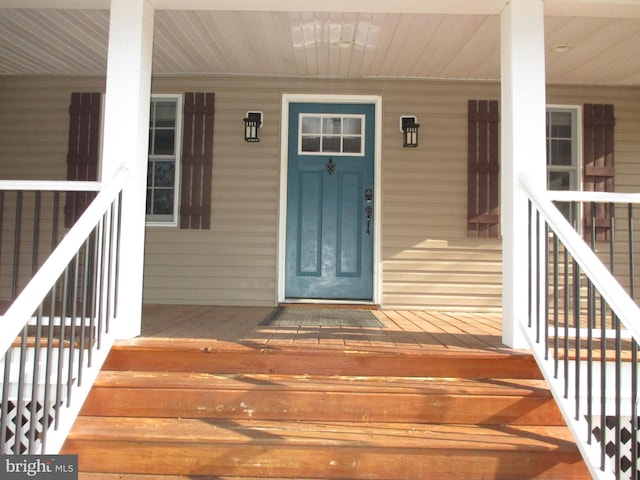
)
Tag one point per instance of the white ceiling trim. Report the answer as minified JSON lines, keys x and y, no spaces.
{"x":478,"y":7}
{"x":65,"y":4}
{"x":475,"y":7}
{"x":580,"y":8}
{"x":592,"y":8}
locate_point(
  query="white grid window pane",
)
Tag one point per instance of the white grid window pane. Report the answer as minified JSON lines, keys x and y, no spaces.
{"x":336,"y":134}
{"x":163,"y":154}
{"x":563,"y":156}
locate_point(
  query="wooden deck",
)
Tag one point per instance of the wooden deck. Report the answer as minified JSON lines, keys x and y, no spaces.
{"x":403,"y":329}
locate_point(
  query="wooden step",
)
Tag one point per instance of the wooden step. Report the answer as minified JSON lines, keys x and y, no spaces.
{"x":209,"y":409}
{"x":317,"y":398}
{"x":82,"y":336}
{"x":210,"y":356}
{"x":268,"y":449}
{"x":43,"y":343}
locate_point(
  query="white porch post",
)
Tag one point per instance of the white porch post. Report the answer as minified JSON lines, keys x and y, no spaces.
{"x":126,"y":131}
{"x":523,"y":142}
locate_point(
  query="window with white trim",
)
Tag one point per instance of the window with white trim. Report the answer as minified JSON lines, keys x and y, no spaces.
{"x":164,"y":154}
{"x":563,"y":154}
{"x":321,"y":133}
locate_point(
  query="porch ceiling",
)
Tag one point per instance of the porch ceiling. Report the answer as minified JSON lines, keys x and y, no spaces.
{"x":381,"y":42}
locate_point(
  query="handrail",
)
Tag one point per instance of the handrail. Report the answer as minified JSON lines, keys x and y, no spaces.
{"x":78,"y":285}
{"x":581,"y":196}
{"x":617,"y":298}
{"x":590,"y":374}
{"x":27,"y":302}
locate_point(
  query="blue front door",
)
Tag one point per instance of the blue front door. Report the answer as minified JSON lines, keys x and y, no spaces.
{"x":330,"y":200}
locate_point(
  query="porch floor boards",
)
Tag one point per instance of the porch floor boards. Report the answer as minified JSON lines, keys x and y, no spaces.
{"x":411,"y":330}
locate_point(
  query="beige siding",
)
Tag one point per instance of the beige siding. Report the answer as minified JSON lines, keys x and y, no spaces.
{"x":234,"y":263}
{"x":34,"y":129}
{"x":34,"y":124}
{"x":427,"y":259}
{"x":423,"y":200}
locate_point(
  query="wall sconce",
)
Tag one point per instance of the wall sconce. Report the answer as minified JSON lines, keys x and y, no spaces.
{"x":252,"y":125}
{"x":409,"y":129}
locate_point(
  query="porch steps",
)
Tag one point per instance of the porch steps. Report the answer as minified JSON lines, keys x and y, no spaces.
{"x":182,"y":408}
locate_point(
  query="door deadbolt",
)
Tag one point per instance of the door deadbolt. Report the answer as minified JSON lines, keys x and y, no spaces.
{"x":368,"y":195}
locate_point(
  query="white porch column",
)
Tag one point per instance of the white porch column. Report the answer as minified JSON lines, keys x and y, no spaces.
{"x":126,"y":131}
{"x":523,"y":143}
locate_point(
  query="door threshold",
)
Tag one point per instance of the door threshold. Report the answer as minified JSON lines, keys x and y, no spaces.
{"x":322,"y":303}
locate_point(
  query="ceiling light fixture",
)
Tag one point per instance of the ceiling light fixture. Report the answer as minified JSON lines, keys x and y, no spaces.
{"x":344,"y":43}
{"x":358,"y":34}
{"x":561,"y":48}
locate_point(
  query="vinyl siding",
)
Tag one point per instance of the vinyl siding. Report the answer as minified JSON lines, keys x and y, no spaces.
{"x":427,"y":259}
{"x":233,"y":263}
{"x":34,"y":132}
{"x":34,"y":124}
{"x":423,"y":198}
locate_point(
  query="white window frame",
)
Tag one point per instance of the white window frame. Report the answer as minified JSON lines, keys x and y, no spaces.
{"x":577,"y":136}
{"x":178,"y":157}
{"x":321,"y":116}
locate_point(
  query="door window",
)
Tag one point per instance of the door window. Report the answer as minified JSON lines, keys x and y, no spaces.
{"x":321,"y":134}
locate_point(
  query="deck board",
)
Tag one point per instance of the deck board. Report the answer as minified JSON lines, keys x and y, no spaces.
{"x":404,"y":329}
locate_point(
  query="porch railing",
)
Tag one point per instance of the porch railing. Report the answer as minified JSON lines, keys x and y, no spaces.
{"x":57,"y":331}
{"x":584,"y":326}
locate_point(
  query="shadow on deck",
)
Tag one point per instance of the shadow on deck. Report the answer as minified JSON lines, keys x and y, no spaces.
{"x":403,"y":329}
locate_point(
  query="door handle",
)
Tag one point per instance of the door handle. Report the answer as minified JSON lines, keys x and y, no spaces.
{"x":368,"y":212}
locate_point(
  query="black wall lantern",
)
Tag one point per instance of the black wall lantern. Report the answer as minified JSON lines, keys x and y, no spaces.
{"x":409,"y":128}
{"x":252,"y":124}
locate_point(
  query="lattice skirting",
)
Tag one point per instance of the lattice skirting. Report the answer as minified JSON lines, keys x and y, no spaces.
{"x":626,"y":443}
{"x":17,"y":430}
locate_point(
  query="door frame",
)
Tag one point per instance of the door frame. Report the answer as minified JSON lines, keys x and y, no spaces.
{"x":376,"y":100}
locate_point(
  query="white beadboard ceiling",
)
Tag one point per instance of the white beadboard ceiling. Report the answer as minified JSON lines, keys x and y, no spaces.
{"x":73,"y":41}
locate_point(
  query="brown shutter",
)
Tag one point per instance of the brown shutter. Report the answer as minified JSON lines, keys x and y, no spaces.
{"x":83,"y":150}
{"x":197,"y":161}
{"x":483,"y":169}
{"x":598,"y":122}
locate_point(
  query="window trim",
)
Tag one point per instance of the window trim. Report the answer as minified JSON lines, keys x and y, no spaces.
{"x":579,"y":133}
{"x":578,"y":142}
{"x":179,"y":98}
